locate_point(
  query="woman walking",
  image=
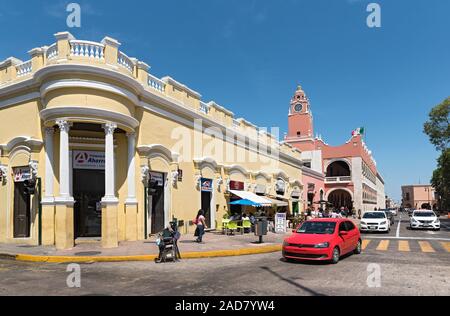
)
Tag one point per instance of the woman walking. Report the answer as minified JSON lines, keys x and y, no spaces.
{"x":200,"y":221}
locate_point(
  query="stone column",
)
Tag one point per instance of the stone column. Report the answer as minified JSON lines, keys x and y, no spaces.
{"x":110,"y":201}
{"x":48,"y":202}
{"x":64,"y":227}
{"x":131,"y":202}
{"x":49,"y":174}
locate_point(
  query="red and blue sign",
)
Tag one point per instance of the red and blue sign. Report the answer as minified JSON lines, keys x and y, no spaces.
{"x":207,"y":185}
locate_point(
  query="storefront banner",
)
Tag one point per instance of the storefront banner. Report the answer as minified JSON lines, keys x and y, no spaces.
{"x":237,"y":186}
{"x":22,"y":174}
{"x":90,"y":160}
{"x":280,"y":223}
{"x":157,"y":177}
{"x":207,"y":185}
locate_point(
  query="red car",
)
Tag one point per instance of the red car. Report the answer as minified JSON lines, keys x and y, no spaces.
{"x":323,"y":239}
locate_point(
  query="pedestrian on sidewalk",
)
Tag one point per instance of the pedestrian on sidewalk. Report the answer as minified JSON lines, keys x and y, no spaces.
{"x":200,"y":221}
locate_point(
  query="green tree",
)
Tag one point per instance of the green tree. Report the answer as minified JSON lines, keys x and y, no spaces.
{"x":441,"y":180}
{"x":438,"y":130}
{"x":438,"y":125}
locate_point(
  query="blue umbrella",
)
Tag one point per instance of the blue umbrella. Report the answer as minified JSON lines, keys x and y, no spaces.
{"x":245,"y":203}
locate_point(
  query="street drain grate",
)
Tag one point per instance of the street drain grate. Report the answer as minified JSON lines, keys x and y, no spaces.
{"x":89,"y":253}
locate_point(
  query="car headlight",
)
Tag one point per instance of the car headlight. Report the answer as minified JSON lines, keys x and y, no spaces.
{"x":437,"y":221}
{"x":323,"y":245}
{"x":383,"y":223}
{"x":286,"y":244}
{"x":414,"y":220}
{"x":363,"y":223}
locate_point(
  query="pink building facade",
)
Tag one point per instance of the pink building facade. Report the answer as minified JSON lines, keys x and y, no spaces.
{"x":345,"y":175}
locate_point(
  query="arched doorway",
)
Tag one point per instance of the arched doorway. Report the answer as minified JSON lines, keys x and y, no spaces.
{"x":338,"y":169}
{"x":340,"y":198}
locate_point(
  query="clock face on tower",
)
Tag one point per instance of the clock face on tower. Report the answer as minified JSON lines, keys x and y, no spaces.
{"x":298,"y":108}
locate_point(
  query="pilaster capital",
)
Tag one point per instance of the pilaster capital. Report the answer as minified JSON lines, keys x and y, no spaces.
{"x":49,"y":131}
{"x":131,"y":134}
{"x":109,"y":128}
{"x":64,"y":126}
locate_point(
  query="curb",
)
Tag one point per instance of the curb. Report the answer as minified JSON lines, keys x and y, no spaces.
{"x":188,"y":255}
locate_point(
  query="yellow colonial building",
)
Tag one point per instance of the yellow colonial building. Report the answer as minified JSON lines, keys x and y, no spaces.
{"x":93,"y":145}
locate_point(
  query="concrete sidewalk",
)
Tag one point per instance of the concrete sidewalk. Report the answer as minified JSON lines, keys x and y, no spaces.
{"x":215,"y":245}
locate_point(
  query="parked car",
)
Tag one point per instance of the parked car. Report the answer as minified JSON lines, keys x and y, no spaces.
{"x":375,"y":222}
{"x":393,"y":211}
{"x":324,"y":239}
{"x":390,"y":216}
{"x":425,"y":219}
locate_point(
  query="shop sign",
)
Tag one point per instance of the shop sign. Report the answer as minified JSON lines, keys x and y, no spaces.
{"x":280,"y":223}
{"x":207,"y":185}
{"x":311,"y":187}
{"x":237,"y":186}
{"x":180,"y":175}
{"x":157,"y":178}
{"x":22,"y":174}
{"x":280,"y":186}
{"x":296,"y":194}
{"x":89,"y":160}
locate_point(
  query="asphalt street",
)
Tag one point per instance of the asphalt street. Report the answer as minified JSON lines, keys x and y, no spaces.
{"x":407,"y":267}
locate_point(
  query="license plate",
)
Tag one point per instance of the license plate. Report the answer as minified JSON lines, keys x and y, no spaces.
{"x":372,"y":227}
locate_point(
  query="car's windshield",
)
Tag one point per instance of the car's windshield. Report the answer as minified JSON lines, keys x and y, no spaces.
{"x":424,"y":214}
{"x":320,"y":228}
{"x":371,"y":215}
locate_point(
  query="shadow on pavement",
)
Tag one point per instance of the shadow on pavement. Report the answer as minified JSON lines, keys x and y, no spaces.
{"x":304,"y":288}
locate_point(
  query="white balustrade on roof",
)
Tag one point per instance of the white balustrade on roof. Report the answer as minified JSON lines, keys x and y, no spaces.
{"x":156,"y":83}
{"x":24,"y":68}
{"x":52,"y":52}
{"x":125,"y":61}
{"x":87,"y":49}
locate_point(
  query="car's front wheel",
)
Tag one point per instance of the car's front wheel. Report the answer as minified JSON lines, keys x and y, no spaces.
{"x":358,"y":248}
{"x":336,"y":255}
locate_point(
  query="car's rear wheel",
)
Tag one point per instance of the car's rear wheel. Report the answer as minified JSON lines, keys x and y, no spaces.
{"x":358,"y":248}
{"x":335,"y":256}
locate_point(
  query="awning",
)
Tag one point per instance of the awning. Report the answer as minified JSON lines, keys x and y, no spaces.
{"x":245,"y":203}
{"x":245,"y":195}
{"x":278,"y":202}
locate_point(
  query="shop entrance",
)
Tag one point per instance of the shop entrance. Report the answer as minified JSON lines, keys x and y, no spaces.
{"x":22,"y":216}
{"x":206,"y":207}
{"x":207,"y":189}
{"x":88,"y":191}
{"x":156,"y":202}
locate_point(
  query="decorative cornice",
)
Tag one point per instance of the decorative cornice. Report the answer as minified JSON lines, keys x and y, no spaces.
{"x":165,"y":102}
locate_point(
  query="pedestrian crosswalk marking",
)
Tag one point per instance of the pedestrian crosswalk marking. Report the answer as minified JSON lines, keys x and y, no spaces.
{"x":365,"y":243}
{"x":383,"y":246}
{"x":407,"y":246}
{"x":446,"y":246}
{"x":426,"y":247}
{"x":403,"y":245}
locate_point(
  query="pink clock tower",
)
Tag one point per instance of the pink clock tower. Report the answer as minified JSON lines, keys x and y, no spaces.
{"x":301,"y":127}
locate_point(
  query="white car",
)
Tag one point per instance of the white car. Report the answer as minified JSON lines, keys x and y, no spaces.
{"x":393,"y":211}
{"x":425,"y":219}
{"x":375,"y":222}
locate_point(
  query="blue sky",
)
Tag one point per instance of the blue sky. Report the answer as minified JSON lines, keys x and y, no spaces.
{"x":249,"y":55}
